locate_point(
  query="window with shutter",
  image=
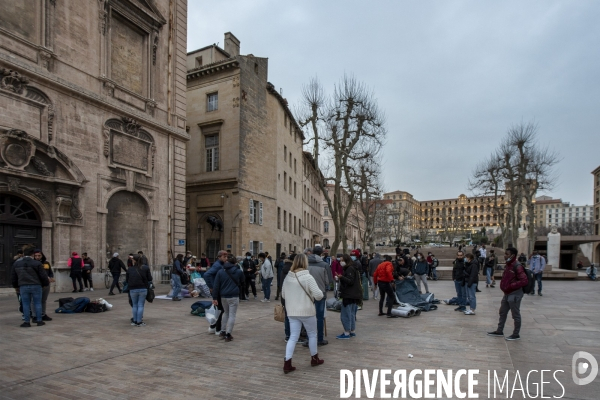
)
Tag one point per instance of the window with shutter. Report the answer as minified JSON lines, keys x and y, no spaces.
{"x":251,"y":211}
{"x":260,"y":213}
{"x":251,"y":248}
{"x":260,"y":248}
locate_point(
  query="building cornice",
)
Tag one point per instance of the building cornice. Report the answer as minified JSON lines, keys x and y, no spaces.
{"x":284,"y":103}
{"x":216,"y":67}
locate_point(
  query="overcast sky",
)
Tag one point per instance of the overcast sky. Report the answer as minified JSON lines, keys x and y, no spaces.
{"x":451,"y":76}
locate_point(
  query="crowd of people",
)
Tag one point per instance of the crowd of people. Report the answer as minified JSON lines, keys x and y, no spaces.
{"x":303,"y":282}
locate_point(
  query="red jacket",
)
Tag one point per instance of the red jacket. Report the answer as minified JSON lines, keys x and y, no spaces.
{"x":514,"y":277}
{"x":384,"y":272}
{"x":336,"y":267}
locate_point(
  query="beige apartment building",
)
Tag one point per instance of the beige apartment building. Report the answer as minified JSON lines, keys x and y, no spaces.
{"x":543,"y":204}
{"x":244,"y":159}
{"x":596,"y":219}
{"x":92,"y":136}
{"x":312,"y":200}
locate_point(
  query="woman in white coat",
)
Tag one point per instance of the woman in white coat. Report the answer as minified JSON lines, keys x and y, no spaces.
{"x":300,"y":291}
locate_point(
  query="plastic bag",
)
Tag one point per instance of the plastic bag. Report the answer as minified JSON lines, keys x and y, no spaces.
{"x":212,"y":314}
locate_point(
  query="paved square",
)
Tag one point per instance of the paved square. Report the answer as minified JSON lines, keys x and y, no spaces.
{"x":100,"y":356}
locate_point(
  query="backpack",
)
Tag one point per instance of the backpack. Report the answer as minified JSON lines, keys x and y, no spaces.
{"x":185,"y":278}
{"x":94,"y":307}
{"x":435,"y":263}
{"x":76,"y":264}
{"x":529,"y":288}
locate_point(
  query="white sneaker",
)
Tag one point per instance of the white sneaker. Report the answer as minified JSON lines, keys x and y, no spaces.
{"x":211,"y":330}
{"x":469,"y":312}
{"x":217,"y":332}
{"x":91,"y":289}
{"x":263,"y":300}
{"x":85,"y":290}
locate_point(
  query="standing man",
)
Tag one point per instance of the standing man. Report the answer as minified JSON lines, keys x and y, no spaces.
{"x":88,"y":266}
{"x":490,"y":266}
{"x":28,"y":276}
{"x":373,"y":264}
{"x":115,"y":265}
{"x":384,"y":277}
{"x":318,"y":269}
{"x":513,"y":281}
{"x":458,"y":276}
{"x":39,"y":256}
{"x":209,"y":277}
{"x":279,"y":268}
{"x":266,"y":276}
{"x":482,"y":256}
{"x":228,"y":282}
{"x":250,"y":275}
{"x":537,"y":265}
{"x":143,"y":259}
{"x":76,"y":264}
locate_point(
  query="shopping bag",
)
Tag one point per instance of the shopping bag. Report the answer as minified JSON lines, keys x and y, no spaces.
{"x":212,"y":314}
{"x":279,"y":313}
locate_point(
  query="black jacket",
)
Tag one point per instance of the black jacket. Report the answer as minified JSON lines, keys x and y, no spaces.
{"x":27,"y":271}
{"x":135,"y":280}
{"x":471,"y":272}
{"x":249,"y":264}
{"x":458,"y":270}
{"x":115,"y":265}
{"x":350,"y":283}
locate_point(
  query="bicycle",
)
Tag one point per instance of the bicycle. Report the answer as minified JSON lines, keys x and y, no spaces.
{"x":108,"y":279}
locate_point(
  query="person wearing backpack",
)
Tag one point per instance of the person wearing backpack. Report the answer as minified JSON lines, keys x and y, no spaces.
{"x":514,"y":279}
{"x":434,"y":264}
{"x":490,"y":266}
{"x":420,"y":270}
{"x":537,"y":264}
{"x":76,"y":264}
{"x":226,"y":289}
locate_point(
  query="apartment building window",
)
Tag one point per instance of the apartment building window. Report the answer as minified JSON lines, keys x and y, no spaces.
{"x":285,"y":153}
{"x":211,"y":143}
{"x":256,"y":212}
{"x":285,"y":181}
{"x":326,"y":211}
{"x":295,"y":230}
{"x":300,"y":227}
{"x":326,"y":227}
{"x":290,"y":185}
{"x":285,"y":221}
{"x":278,"y":217}
{"x":212,"y":102}
{"x":295,"y":170}
{"x":285,"y":119}
{"x":294,"y":189}
{"x":290,"y":222}
{"x":290,"y":159}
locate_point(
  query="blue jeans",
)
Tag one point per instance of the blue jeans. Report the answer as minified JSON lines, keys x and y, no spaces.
{"x":138,"y":298}
{"x":434,"y":272}
{"x":320,"y":308}
{"x":471,"y":295}
{"x":266,"y":287}
{"x":176,"y":285}
{"x":461,"y":293}
{"x":348,"y":317}
{"x":538,"y":279}
{"x":29,"y":292}
{"x":488,"y":275}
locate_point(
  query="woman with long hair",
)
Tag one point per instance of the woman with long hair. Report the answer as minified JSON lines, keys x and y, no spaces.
{"x":351,"y":294}
{"x":300,"y":291}
{"x":138,"y":279}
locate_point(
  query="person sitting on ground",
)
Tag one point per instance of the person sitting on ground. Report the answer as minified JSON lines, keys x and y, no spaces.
{"x":591,"y":272}
{"x":226,"y":287}
{"x":471,"y":281}
{"x":300,"y":290}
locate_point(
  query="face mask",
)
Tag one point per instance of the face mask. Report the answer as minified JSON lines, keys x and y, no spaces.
{"x":465,"y":259}
{"x":508,"y":258}
{"x":247,"y":257}
{"x":353,"y":258}
{"x":419,"y":257}
{"x":343,"y":264}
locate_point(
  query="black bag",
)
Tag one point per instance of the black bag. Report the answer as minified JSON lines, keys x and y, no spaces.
{"x":63,"y":301}
{"x":150,"y":290}
{"x":530,"y":287}
{"x":185,"y":278}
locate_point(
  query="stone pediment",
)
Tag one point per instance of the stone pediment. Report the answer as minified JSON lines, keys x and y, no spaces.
{"x":24,"y":155}
{"x":140,"y":10}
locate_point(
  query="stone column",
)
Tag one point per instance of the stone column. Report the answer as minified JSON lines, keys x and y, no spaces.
{"x":553,"y":250}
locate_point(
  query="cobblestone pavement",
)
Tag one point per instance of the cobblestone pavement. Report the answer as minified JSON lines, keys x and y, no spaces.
{"x":100,"y":356}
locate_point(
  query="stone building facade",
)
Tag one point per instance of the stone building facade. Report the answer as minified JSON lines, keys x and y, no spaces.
{"x":312,"y":200}
{"x":92,"y":133}
{"x":596,"y":218}
{"x":244,"y":159}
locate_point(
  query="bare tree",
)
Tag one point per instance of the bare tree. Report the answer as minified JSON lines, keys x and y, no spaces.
{"x":343,"y":130}
{"x":367,"y":181}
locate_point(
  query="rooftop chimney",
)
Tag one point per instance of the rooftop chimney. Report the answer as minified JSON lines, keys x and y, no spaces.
{"x":232,"y":45}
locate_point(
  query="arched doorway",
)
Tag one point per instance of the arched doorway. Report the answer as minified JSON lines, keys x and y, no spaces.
{"x":19,"y":225}
{"x":127,"y":225}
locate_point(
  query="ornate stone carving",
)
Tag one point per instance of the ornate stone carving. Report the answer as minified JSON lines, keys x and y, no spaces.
{"x":128,"y":144}
{"x":13,"y":81}
{"x":13,"y":184}
{"x":236,"y":81}
{"x":236,"y":102}
{"x":46,"y":59}
{"x":106,"y":133}
{"x":130,"y":126}
{"x":41,"y":167}
{"x":75,"y":213}
{"x":16,"y":149}
{"x":109,"y":88}
{"x":153,"y":152}
{"x":102,"y":15}
{"x":154,"y":47}
{"x":43,"y":195}
{"x":151,"y":107}
{"x":50,"y":122}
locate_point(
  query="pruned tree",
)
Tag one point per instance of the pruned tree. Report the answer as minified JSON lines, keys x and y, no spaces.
{"x":343,"y":130}
{"x":369,"y":187}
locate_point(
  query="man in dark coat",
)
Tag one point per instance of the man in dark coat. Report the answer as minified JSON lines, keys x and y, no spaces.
{"x":27,"y":277}
{"x":115,"y":265}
